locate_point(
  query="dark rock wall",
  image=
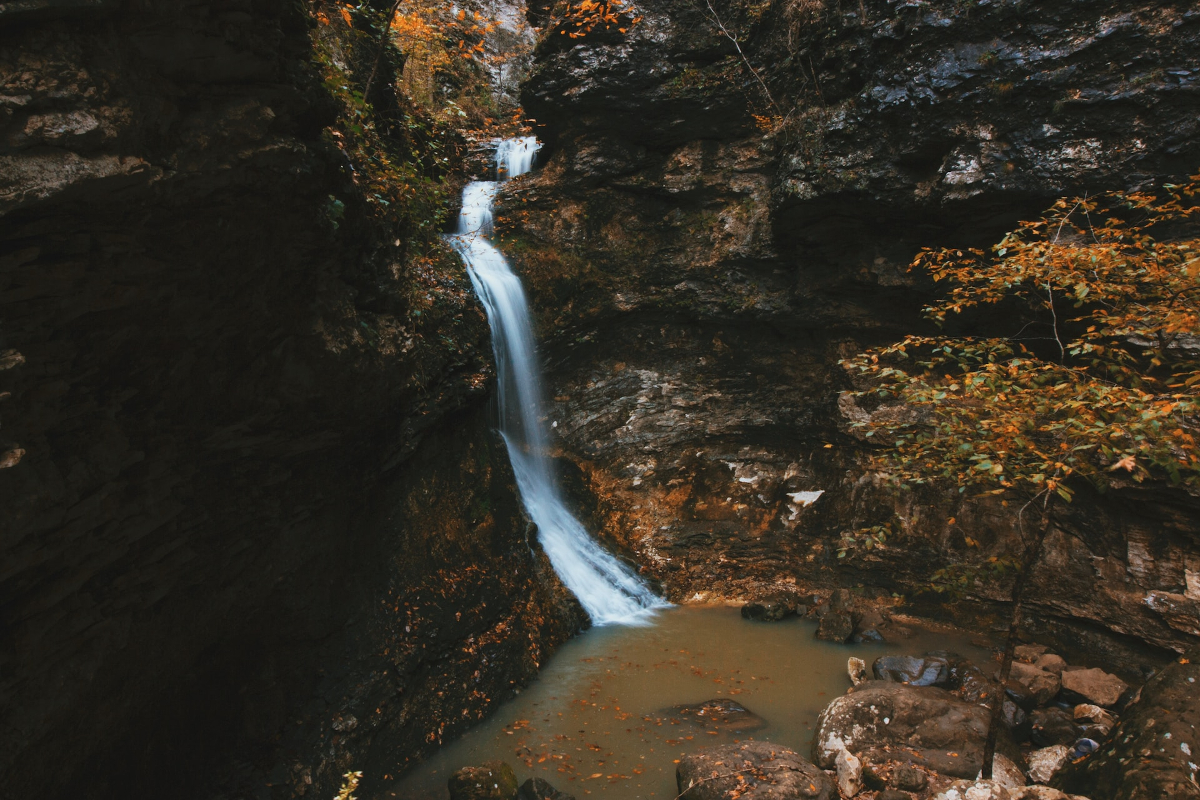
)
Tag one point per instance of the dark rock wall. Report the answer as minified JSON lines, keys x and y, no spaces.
{"x":244,"y":489}
{"x":700,"y":260}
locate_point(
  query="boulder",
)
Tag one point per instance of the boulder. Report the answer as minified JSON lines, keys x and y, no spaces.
{"x":1047,"y":761}
{"x":1093,"y":686}
{"x":492,"y":780}
{"x":721,"y":713}
{"x":751,"y":771}
{"x":1042,"y":684}
{"x":835,"y":626}
{"x":1051,"y":726}
{"x":913,"y":670}
{"x":770,"y":608}
{"x":893,"y":794}
{"x":1152,"y":752}
{"x":856,"y":668}
{"x":880,"y":721}
{"x":1051,"y":663}
{"x":538,"y":789}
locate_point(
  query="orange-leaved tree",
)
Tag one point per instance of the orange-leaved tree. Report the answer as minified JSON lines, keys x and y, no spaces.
{"x":1101,"y":380}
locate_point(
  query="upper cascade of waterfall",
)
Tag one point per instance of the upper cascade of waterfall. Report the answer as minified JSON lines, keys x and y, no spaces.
{"x":607,"y":588}
{"x":515,"y":156}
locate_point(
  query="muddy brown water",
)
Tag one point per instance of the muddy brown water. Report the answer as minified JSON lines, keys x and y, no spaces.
{"x":598,"y":720}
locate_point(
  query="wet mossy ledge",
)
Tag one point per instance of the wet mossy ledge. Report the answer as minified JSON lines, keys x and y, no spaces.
{"x":256,"y":522}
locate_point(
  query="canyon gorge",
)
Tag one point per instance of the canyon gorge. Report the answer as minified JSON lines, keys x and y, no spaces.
{"x":260,"y":526}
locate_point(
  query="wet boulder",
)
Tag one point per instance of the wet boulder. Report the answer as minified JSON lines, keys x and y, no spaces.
{"x":913,"y":670}
{"x":1051,"y":663}
{"x":835,"y":626}
{"x":538,"y":789}
{"x":926,"y":726}
{"x":1093,"y":686}
{"x":770,"y":608}
{"x":751,"y":771}
{"x":722,"y":714}
{"x":492,"y":780}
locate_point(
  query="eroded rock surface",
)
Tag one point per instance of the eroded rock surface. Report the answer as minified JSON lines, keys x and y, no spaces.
{"x":697,"y":278}
{"x":754,"y":770}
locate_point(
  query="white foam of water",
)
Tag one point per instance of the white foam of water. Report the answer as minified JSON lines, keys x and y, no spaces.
{"x":608,"y":590}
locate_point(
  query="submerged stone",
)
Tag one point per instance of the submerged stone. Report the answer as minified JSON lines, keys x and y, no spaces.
{"x":492,"y":780}
{"x":538,"y":789}
{"x":721,"y":713}
{"x":751,"y":771}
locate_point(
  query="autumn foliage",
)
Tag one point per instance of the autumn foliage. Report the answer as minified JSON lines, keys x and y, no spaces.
{"x":1101,"y":377}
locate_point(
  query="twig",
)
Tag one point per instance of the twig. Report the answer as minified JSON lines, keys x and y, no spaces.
{"x":387,"y":27}
{"x":745,"y":60}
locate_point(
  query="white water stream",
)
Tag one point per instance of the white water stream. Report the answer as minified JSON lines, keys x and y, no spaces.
{"x":608,"y":590}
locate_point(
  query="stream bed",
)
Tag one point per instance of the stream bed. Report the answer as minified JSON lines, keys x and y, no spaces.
{"x":599,"y":720}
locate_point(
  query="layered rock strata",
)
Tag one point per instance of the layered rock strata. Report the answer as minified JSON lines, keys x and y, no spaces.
{"x":702,"y":257}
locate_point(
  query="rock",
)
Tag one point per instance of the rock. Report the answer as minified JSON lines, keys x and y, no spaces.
{"x":770,"y":608}
{"x":1020,"y":694}
{"x":1006,"y":773}
{"x":538,"y":789}
{"x":868,"y":627}
{"x":1029,"y":653}
{"x":892,"y":794}
{"x":1042,"y":684}
{"x":913,"y":670}
{"x":1051,"y":663}
{"x":492,"y":780}
{"x":1087,"y":712}
{"x":1043,"y":793}
{"x":910,"y":779}
{"x":933,"y":727}
{"x":856,"y":668}
{"x":1017,"y":721}
{"x":1051,"y":726}
{"x":1094,"y":685}
{"x":1045,"y":762}
{"x":1096,"y":723}
{"x":769,"y":771}
{"x":835,"y":626}
{"x":1152,"y":751}
{"x":721,"y":713}
{"x":849,"y":773}
{"x":974,"y":790}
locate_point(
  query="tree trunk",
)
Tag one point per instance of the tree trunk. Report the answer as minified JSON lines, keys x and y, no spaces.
{"x":1032,"y":553}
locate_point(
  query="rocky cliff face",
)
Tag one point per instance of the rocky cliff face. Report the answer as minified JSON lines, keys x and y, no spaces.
{"x":252,"y":505}
{"x":702,"y":257}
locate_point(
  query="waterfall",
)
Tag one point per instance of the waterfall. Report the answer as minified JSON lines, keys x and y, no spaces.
{"x":608,"y":590}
